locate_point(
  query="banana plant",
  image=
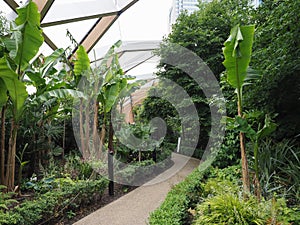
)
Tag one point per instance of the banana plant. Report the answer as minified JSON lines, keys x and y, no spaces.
{"x":105,"y":83}
{"x":242,"y":125}
{"x":237,"y":53}
{"x":20,"y":47}
{"x":53,"y":89}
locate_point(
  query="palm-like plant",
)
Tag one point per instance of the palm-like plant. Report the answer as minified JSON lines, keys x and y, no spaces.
{"x":237,"y":52}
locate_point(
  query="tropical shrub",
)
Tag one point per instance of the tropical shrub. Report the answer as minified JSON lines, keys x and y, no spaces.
{"x":223,"y":204}
{"x":68,"y":195}
{"x":279,"y":163}
{"x":276,"y":53}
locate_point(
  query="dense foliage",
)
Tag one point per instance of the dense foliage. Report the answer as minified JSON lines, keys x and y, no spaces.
{"x":186,"y":194}
{"x":214,"y":197}
{"x":271,"y":108}
{"x":37,"y":142}
{"x":277,"y":56}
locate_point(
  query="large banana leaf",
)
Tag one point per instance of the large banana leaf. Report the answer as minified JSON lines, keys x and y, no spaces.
{"x":111,"y":95}
{"x":82,"y":64}
{"x":16,"y":88}
{"x":237,"y":52}
{"x":52,"y":60}
{"x":27,"y":34}
{"x":60,"y":94}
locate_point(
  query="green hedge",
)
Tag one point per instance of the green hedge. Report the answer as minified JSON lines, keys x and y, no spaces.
{"x":184,"y":195}
{"x":139,"y":172}
{"x":55,"y":203}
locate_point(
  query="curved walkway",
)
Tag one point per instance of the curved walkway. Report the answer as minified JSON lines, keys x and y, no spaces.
{"x":135,"y":207}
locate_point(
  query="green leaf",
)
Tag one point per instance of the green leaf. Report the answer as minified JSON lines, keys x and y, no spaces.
{"x":237,"y":52}
{"x":36,"y":79}
{"x":251,"y":76}
{"x":111,"y":95}
{"x":268,"y":128}
{"x":52,"y":60}
{"x":27,"y":34}
{"x":110,"y":53}
{"x":28,"y":13}
{"x":242,"y":125}
{"x":60,"y":94}
{"x":17,"y":89}
{"x":82,"y":64}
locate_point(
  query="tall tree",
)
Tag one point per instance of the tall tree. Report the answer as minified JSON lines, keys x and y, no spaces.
{"x":276,"y":53}
{"x":202,"y":32}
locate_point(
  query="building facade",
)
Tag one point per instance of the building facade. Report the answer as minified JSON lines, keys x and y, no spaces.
{"x":180,"y":5}
{"x":191,"y":6}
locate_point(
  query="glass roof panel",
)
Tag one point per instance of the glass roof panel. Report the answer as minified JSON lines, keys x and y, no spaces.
{"x":58,"y":33}
{"x":107,"y":40}
{"x":7,"y":11}
{"x":122,"y":3}
{"x":65,"y":10}
{"x":45,"y":50}
{"x":130,"y":60}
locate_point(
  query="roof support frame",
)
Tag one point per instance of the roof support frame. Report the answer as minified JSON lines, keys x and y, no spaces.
{"x":77,"y":19}
{"x":12,"y":4}
{"x":104,"y":22}
{"x":97,"y":31}
{"x":94,"y":16}
{"x":43,"y":6}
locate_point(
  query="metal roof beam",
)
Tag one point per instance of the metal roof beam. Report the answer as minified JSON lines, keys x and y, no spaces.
{"x":88,"y":17}
{"x":97,"y":31}
{"x":77,"y":19}
{"x":43,"y":6}
{"x":139,"y":63}
{"x":12,"y":4}
{"x":49,"y":42}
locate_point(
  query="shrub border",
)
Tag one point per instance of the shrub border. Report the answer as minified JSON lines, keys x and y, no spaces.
{"x":186,"y":194}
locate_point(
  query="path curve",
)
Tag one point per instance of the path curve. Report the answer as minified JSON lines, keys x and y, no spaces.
{"x":135,"y":207}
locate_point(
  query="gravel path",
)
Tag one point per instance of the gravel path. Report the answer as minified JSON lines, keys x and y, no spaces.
{"x":134,"y":208}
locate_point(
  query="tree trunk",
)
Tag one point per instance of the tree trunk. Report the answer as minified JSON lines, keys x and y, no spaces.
{"x":11,"y":160}
{"x":81,"y":130}
{"x":95,"y":130}
{"x":64,"y":139}
{"x":87,"y":130}
{"x":2,"y":167}
{"x":110,"y":159}
{"x":102,"y":135}
{"x":245,"y":170}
